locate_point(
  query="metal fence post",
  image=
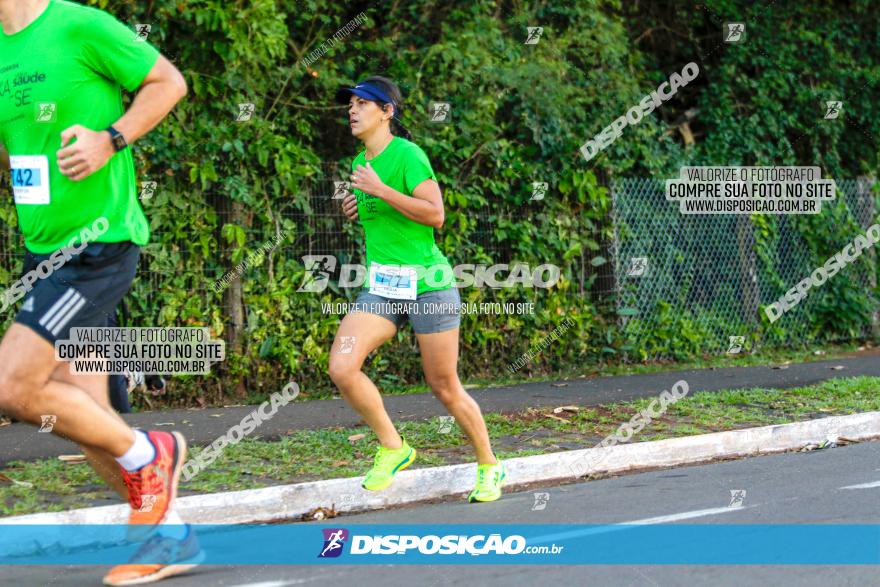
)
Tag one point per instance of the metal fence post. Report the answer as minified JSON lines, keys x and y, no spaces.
{"x":748,"y":272}
{"x":867,"y":213}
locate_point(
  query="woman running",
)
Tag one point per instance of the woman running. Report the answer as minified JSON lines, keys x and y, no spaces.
{"x":398,"y":202}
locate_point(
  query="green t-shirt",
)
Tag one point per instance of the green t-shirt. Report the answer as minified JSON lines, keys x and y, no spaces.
{"x":66,"y":68}
{"x":391,"y":237}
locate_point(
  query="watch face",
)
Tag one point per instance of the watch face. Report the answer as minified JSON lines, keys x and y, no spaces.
{"x":119,"y":142}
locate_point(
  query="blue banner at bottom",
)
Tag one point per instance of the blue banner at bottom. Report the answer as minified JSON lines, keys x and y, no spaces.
{"x":354,"y":544}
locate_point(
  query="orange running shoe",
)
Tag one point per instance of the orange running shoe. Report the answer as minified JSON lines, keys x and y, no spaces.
{"x":153,"y":488}
{"x":158,"y":558}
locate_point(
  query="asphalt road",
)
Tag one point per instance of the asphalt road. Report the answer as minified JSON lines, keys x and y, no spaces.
{"x":202,"y":426}
{"x":840,"y":486}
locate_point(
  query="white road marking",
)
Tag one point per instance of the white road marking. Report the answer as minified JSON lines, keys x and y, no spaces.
{"x":323,"y":577}
{"x":688,"y":515}
{"x":863,"y":486}
{"x":615,"y":527}
{"x":275,"y":583}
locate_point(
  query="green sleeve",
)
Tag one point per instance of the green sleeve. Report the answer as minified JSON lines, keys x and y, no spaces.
{"x":416,"y":169}
{"x":111,"y":49}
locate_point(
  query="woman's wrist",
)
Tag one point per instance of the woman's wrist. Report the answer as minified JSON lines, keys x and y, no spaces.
{"x":384,"y":192}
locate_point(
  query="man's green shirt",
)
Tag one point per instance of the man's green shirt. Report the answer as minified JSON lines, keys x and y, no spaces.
{"x":68,"y":67}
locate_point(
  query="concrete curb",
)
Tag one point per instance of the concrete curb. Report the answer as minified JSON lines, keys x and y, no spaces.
{"x":289,"y":502}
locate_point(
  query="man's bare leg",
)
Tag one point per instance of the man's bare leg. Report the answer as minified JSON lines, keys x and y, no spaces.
{"x":95,"y":385}
{"x":27,"y":363}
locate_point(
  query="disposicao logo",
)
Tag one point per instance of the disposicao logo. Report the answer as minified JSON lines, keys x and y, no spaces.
{"x":334,"y":541}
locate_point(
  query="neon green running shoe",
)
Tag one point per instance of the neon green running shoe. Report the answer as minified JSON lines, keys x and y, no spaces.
{"x":489,"y":480}
{"x":387,"y":463}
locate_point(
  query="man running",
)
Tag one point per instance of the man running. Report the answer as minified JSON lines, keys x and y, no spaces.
{"x":66,"y":137}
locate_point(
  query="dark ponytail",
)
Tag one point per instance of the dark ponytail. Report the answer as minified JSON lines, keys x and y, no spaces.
{"x":393,"y":92}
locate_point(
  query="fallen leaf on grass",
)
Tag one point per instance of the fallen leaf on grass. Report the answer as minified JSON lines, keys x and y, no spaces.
{"x":356,"y":437}
{"x":73,"y":459}
{"x":561,"y":409}
{"x":557,"y":418}
{"x":340,"y":463}
{"x":5,"y":479}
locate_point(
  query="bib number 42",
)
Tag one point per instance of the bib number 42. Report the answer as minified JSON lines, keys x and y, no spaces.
{"x":23,"y":177}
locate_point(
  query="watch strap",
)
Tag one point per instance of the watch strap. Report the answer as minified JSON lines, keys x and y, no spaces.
{"x":119,"y":142}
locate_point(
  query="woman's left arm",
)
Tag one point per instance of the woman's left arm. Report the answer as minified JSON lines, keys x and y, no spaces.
{"x":425,"y":206}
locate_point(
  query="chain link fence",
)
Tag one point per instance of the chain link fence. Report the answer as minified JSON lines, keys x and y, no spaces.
{"x":686,"y":284}
{"x":681,"y":285}
{"x":179,"y":260}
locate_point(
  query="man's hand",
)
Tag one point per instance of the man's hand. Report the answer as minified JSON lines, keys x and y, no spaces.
{"x":88,"y":154}
{"x":367,"y":180}
{"x":350,"y":206}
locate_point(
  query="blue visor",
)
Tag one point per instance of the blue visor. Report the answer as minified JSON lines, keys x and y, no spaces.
{"x":365,"y":91}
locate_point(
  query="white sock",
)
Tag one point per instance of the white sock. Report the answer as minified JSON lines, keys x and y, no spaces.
{"x":174,"y":526}
{"x":141,"y":453}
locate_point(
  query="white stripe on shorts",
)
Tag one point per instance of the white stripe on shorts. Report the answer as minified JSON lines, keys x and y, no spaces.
{"x":57,"y":306}
{"x":63,"y":318}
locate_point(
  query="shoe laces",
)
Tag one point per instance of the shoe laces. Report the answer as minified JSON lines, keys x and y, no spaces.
{"x":482,"y":481}
{"x":133,"y":481}
{"x":383,"y":456}
{"x":158,"y":548}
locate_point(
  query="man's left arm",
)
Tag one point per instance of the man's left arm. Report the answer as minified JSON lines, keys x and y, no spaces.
{"x":162,"y":88}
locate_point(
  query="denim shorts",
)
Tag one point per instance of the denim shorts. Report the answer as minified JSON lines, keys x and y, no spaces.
{"x":430,"y":312}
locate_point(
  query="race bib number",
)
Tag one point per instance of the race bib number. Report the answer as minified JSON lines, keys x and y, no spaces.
{"x":393,"y":281}
{"x":30,"y":179}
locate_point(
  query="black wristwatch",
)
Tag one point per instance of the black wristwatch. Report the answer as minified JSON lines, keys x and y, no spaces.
{"x":119,"y":142}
